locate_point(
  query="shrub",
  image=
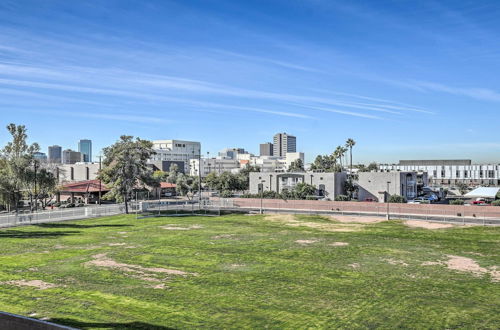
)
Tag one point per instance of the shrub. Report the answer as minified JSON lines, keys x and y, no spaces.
{"x":457,"y":202}
{"x":496,"y":203}
{"x":226,"y":194}
{"x":397,"y":199}
{"x":341,"y":198}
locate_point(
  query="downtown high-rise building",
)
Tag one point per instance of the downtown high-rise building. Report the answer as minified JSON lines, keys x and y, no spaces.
{"x":284,"y":143}
{"x":85,"y":148}
{"x":71,"y":157}
{"x":55,"y":154}
{"x":266,"y":149}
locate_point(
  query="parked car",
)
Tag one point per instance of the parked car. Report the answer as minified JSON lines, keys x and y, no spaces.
{"x":479,"y":201}
{"x":419,"y":200}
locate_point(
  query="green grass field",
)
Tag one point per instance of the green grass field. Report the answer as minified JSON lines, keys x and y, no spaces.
{"x":240,"y":271}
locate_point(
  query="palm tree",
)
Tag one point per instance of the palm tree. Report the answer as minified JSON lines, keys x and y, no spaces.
{"x":339,"y":153}
{"x":349,"y":144}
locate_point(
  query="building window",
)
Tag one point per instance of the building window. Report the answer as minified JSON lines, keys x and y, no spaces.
{"x":72,"y":174}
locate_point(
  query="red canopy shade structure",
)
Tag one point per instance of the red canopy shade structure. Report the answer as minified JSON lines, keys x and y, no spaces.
{"x":90,"y":186}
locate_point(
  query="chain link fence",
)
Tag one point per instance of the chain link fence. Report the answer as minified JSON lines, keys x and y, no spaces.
{"x":484,"y":215}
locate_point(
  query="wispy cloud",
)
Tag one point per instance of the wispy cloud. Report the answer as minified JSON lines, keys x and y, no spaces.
{"x":478,"y":93}
{"x":116,"y":116}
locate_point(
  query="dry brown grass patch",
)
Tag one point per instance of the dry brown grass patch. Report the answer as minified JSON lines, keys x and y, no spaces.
{"x":143,"y":273}
{"x":178,"y":227}
{"x":352,"y":219}
{"x":464,"y":264}
{"x":41,"y":285}
{"x":292,"y":221}
{"x":338,"y":244}
{"x":427,"y":224}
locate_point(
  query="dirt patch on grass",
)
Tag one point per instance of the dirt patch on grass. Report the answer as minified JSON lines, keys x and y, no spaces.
{"x":117,"y":244}
{"x":177,"y":227}
{"x":396,"y":262}
{"x":306,"y":241}
{"x":292,"y":221}
{"x":464,"y":264}
{"x":351,"y":219}
{"x":41,"y":285}
{"x":224,"y":236}
{"x":143,"y":273}
{"x":338,"y":244}
{"x":354,"y":265}
{"x":427,"y":224}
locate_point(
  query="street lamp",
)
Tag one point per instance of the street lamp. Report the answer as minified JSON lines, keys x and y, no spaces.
{"x":35,"y":193}
{"x":388,"y":195}
{"x":261,"y":194}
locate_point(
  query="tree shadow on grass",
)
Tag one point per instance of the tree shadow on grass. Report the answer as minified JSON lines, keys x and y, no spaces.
{"x":74,"y":225}
{"x":108,"y":325}
{"x":34,"y":234}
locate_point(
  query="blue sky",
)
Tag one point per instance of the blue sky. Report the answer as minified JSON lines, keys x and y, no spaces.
{"x":405,"y":79}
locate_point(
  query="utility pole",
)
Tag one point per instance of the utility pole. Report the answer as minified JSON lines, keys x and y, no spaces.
{"x":388,"y":217}
{"x":100,"y":184}
{"x":35,"y":193}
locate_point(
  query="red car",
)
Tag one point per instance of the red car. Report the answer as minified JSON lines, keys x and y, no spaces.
{"x":479,"y":201}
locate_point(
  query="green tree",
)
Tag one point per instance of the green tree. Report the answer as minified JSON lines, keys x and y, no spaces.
{"x":160,"y":176}
{"x":457,"y":202}
{"x":350,"y":187}
{"x":462,"y":187}
{"x":212,"y":181}
{"x":125,"y":167}
{"x":8,"y":194}
{"x":303,"y":190}
{"x":296,"y":166}
{"x":18,"y":159}
{"x":46,"y":184}
{"x":173,"y":173}
{"x":326,"y":163}
{"x":186,"y":185}
{"x":372,"y":167}
{"x":342,"y":198}
{"x":349,"y":144}
{"x":397,"y":199}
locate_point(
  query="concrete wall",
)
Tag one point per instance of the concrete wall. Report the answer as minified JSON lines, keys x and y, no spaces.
{"x":78,"y":172}
{"x":414,"y":209}
{"x":332,"y":184}
{"x":16,"y":322}
{"x":373,"y":185}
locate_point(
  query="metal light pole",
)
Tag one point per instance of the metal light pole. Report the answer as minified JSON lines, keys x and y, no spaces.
{"x":261,"y":195}
{"x":35,"y":193}
{"x":388,"y":217}
{"x":100,"y":182}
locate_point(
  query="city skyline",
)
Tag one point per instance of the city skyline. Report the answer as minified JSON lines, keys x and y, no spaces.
{"x":406,"y":82}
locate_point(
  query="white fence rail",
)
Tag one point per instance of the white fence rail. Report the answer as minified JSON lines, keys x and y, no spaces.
{"x":75,"y":213}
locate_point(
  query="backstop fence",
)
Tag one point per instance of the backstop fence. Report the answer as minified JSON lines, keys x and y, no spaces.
{"x":483,"y":215}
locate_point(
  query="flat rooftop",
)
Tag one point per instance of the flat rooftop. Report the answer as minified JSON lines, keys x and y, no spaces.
{"x":435,"y":162}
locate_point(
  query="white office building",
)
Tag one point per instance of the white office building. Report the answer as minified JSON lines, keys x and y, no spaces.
{"x":213,"y":165}
{"x":450,"y":172}
{"x":169,"y":152}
